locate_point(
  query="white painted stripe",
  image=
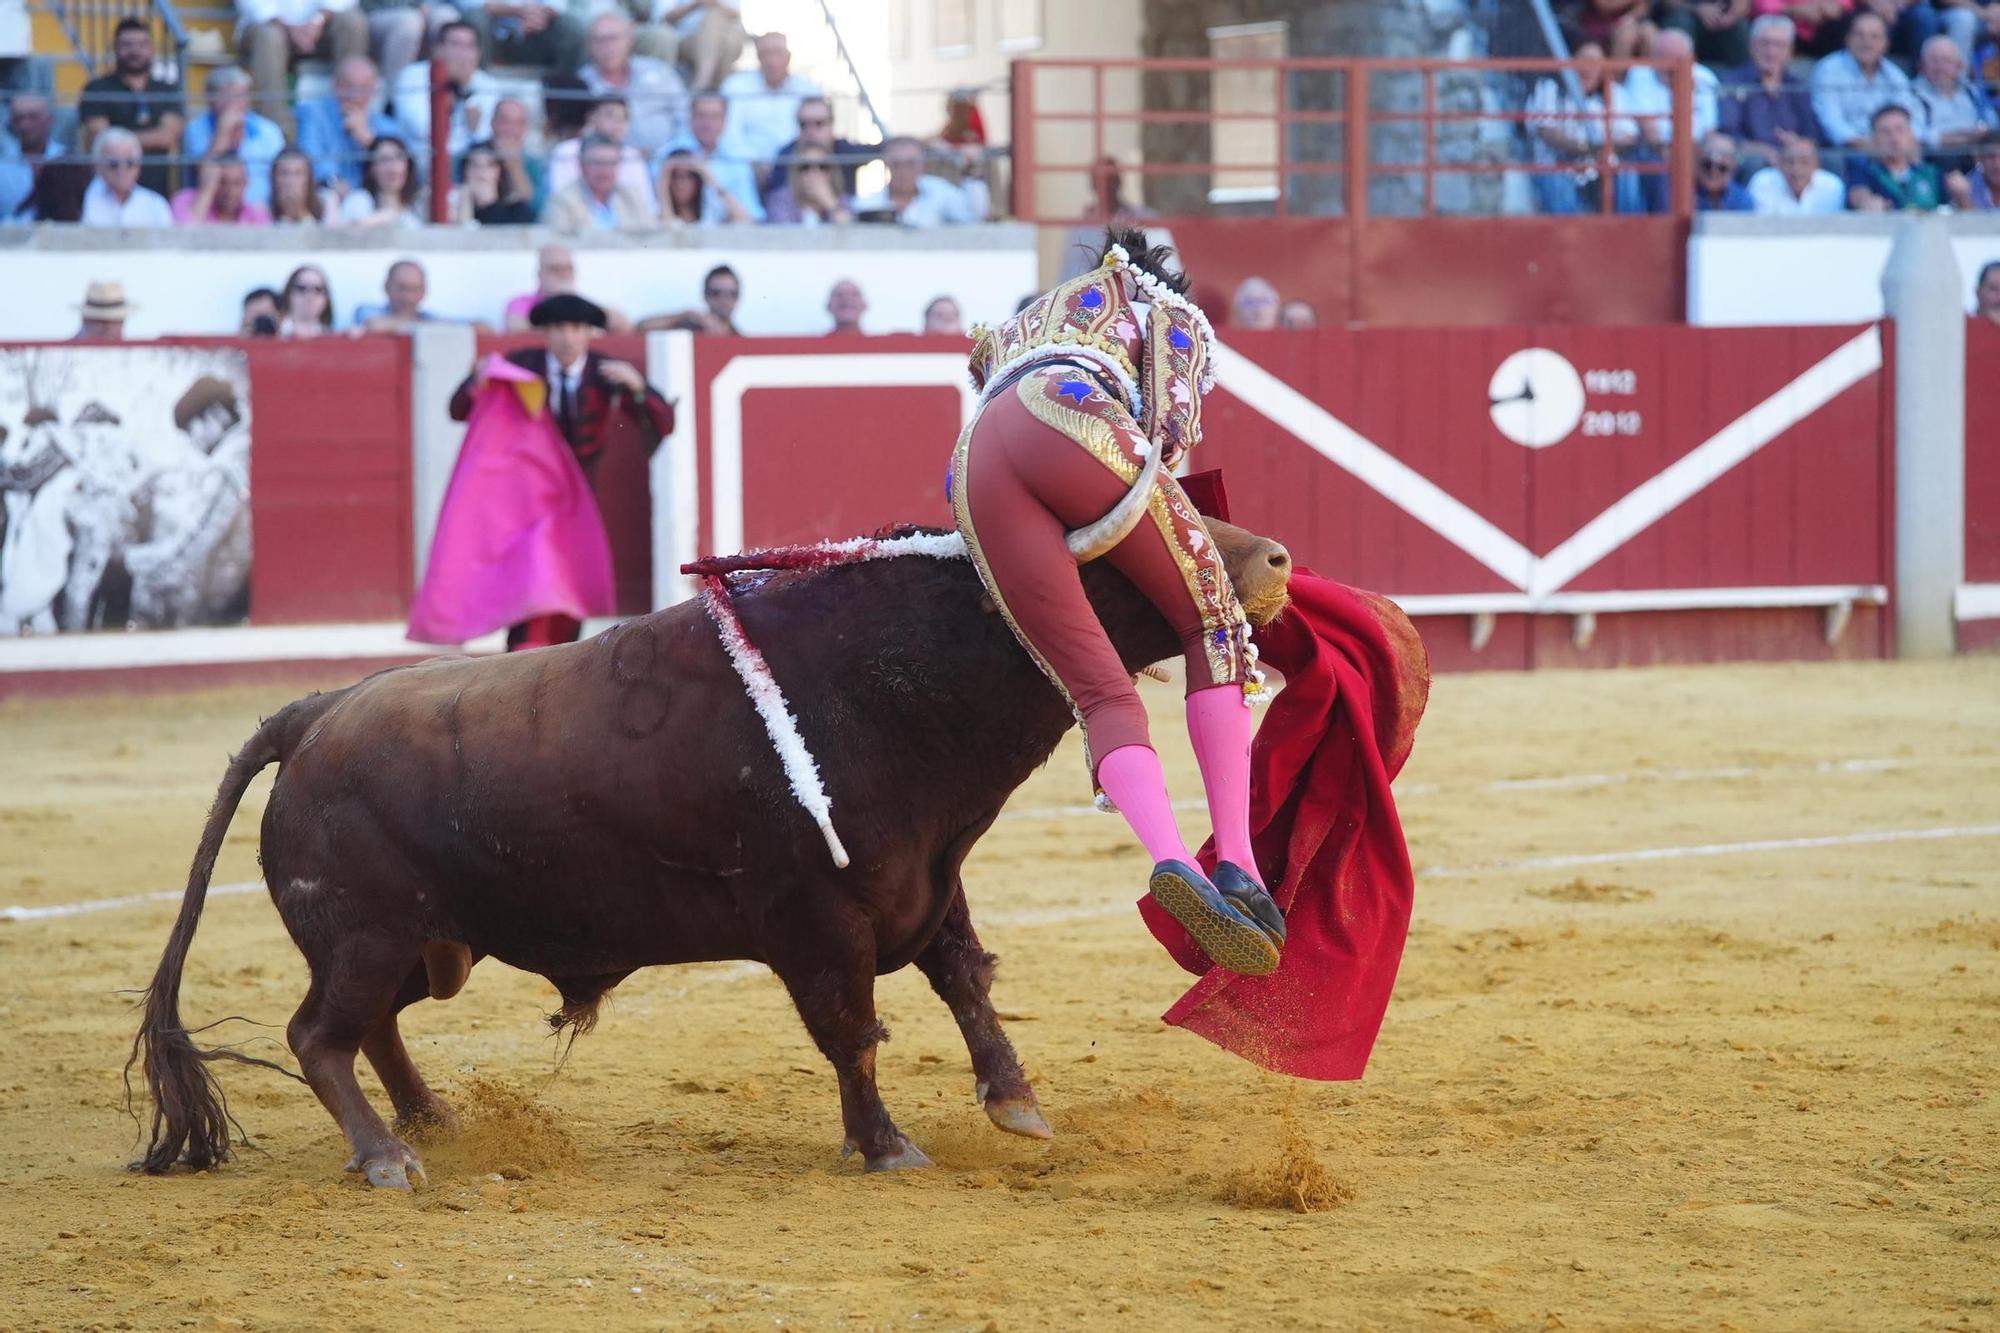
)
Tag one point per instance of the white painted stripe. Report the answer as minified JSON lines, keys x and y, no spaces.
{"x":214,"y":647}
{"x":1642,"y":599}
{"x":676,"y":490}
{"x":804,"y":371}
{"x":1052,"y":915}
{"x":1977,"y":601}
{"x":1662,"y":493}
{"x":1397,"y":482}
{"x":88,"y":906}
{"x":1639,"y":854}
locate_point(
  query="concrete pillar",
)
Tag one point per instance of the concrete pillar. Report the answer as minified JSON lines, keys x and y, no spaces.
{"x":440,"y":356}
{"x":1925,"y":296}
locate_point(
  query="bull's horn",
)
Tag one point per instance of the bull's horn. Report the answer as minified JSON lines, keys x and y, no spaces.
{"x":1095,"y":539}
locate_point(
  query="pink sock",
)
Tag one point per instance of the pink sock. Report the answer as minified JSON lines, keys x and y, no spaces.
{"x":1219,"y":725}
{"x":1132,"y":777}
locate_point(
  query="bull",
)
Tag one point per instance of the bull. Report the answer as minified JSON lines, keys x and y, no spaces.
{"x":588,"y":810}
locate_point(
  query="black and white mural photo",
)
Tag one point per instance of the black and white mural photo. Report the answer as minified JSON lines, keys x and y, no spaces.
{"x":124,"y":488}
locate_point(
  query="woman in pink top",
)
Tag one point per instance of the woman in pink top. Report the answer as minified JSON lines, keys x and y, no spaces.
{"x":220,"y":198}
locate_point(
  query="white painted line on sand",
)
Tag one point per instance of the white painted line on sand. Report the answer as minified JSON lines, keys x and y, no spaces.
{"x":1637,"y":854}
{"x":113,"y":904}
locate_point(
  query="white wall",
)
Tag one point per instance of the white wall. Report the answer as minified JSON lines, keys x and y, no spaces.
{"x":186,"y":283}
{"x":1746,"y":270}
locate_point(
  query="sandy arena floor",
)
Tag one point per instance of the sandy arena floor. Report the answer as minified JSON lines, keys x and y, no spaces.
{"x":1753,"y":1089}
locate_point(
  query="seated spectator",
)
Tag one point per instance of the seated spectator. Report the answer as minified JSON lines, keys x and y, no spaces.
{"x":1621,"y":27}
{"x":566,"y":104}
{"x":1966,"y":22}
{"x":396,"y":32}
{"x":274,"y":34}
{"x":1896,"y":177}
{"x":1949,"y":112}
{"x":708,"y":123}
{"x":764,"y":102}
{"x":1649,"y":94}
{"x":1569,"y":133}
{"x":1818,"y":26}
{"x":130,"y":98}
{"x":651,"y":88}
{"x":1255,"y":305}
{"x":221,"y":197}
{"x":811,"y":195}
{"x":597,"y":200}
{"x":555,"y":275}
{"x":405,"y":286}
{"x":525,"y":170}
{"x":689,"y":192}
{"x":942,"y":317}
{"x":708,"y":36}
{"x":1718,"y":28}
{"x":484,"y":195}
{"x":847,"y":305}
{"x":1762,"y":104}
{"x":229,"y":128}
{"x":1716,"y":189}
{"x":115,"y":198}
{"x":474,"y":92}
{"x":1850,"y":86}
{"x":31,"y":123}
{"x":336,"y":131}
{"x":815,"y":121}
{"x":523,"y":32}
{"x":262,"y":314}
{"x":296,"y":200}
{"x":1300,"y":314}
{"x":916,"y":199}
{"x":1983,"y":187}
{"x":1986,"y":293}
{"x":104,"y":312}
{"x":720,"y":290}
{"x":609,"y":121}
{"x":305,"y":307}
{"x":1797,"y":186}
{"x":389,"y":195}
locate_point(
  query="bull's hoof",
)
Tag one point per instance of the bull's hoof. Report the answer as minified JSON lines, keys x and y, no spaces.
{"x":1019,"y":1115}
{"x":393,"y":1168}
{"x":1231,"y":939}
{"x":904,"y":1156}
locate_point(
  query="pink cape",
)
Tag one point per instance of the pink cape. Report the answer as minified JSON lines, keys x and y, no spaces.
{"x":1326,"y":834}
{"x":520,"y":535}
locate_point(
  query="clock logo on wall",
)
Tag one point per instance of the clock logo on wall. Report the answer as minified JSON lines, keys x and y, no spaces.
{"x":1536,"y":398}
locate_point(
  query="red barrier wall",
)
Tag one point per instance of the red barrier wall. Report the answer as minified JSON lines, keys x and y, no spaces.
{"x":1447,"y":272}
{"x":1982,"y":472}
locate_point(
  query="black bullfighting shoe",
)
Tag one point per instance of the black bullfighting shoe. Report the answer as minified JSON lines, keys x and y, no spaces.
{"x":1230,"y":938}
{"x":1251,"y":898}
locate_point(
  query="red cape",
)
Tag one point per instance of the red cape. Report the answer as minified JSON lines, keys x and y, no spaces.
{"x":1327,"y":838}
{"x":519,"y":535}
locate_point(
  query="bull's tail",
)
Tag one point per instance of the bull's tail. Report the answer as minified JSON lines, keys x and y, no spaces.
{"x":191,"y":1120}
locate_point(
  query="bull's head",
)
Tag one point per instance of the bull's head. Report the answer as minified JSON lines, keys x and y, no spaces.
{"x":1259,"y":567}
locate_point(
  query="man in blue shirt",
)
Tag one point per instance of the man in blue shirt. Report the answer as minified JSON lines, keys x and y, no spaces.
{"x":1761,"y":104}
{"x":335,"y":131}
{"x":229,"y":127}
{"x":1716,"y":189}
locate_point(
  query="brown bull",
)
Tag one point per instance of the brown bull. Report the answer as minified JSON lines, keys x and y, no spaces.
{"x":588,"y":810}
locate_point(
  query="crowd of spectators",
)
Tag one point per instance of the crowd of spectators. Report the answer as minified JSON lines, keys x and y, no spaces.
{"x":1810,"y":106}
{"x":593,"y":125}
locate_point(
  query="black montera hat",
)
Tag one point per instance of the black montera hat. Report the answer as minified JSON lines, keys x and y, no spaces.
{"x":566,"y":308}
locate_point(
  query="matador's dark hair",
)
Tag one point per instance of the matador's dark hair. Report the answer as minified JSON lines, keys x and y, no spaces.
{"x":1147,"y":257}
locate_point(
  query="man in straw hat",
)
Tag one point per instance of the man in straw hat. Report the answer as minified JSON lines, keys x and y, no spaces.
{"x":104,"y":311}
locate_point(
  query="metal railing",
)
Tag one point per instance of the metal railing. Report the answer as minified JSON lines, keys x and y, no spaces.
{"x":1346,"y":137}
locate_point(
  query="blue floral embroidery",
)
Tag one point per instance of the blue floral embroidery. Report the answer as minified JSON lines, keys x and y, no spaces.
{"x":1091,"y":299}
{"x":1179,"y":338}
{"x":1077,"y":389}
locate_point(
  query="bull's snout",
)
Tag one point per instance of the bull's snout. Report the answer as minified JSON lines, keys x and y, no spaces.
{"x":1262,"y":578}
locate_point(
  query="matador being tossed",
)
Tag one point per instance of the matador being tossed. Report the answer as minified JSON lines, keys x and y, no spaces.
{"x":1076,"y":393}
